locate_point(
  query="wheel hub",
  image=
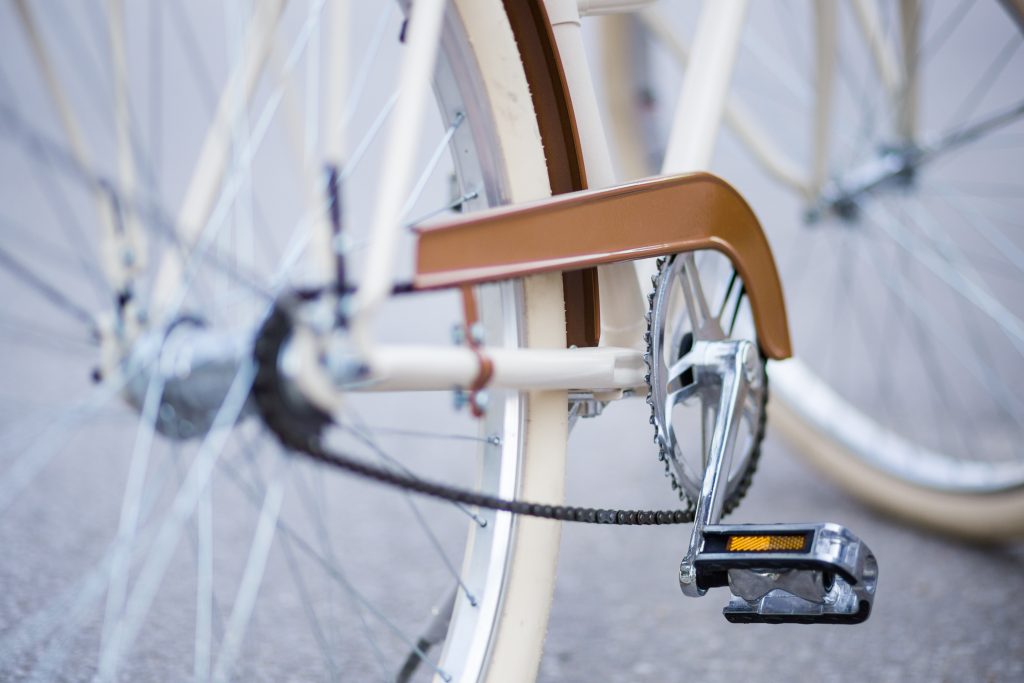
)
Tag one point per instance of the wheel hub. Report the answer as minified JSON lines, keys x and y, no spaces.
{"x":892,"y":167}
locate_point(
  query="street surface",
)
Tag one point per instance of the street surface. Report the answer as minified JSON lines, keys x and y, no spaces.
{"x":945,"y":610}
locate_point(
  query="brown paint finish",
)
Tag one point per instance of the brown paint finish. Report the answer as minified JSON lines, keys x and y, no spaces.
{"x":566,"y":172}
{"x":653,"y":217}
{"x":582,"y":307}
{"x":555,"y":117}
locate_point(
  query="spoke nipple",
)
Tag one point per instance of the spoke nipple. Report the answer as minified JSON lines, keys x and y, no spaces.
{"x":476,"y":333}
{"x":459,"y":399}
{"x":458,"y":334}
{"x":345,"y":308}
{"x":341,"y":243}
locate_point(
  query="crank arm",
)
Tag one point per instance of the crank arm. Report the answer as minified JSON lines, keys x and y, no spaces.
{"x":729,"y":367}
{"x":777,"y":573}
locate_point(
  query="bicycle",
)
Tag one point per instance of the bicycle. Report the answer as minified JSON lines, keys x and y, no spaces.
{"x":206,"y":321}
{"x":884,"y":177}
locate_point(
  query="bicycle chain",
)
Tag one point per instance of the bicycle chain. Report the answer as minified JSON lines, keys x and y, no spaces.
{"x":299,"y":426}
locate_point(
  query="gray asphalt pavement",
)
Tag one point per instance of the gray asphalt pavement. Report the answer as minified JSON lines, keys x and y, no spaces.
{"x":945,"y":610}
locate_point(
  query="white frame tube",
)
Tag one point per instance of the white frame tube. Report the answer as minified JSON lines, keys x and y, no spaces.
{"x":906,"y":98}
{"x":699,"y":110}
{"x":825,"y":66}
{"x":622,"y":309}
{"x":866,"y":12}
{"x":589,"y":8}
{"x":736,"y":115}
{"x":110,"y":246}
{"x":439,"y":368}
{"x":205,"y":185}
{"x":131,"y":246}
{"x":422,"y":38}
{"x":698,"y":113}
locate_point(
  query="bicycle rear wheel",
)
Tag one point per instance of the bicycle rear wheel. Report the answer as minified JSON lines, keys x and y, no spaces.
{"x":903,"y":268}
{"x":155,"y":546}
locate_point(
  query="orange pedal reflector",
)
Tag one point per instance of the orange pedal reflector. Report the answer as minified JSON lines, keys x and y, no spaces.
{"x":747,"y":544}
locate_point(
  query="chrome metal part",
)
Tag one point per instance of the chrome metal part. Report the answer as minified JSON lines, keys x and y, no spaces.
{"x":752,"y":584}
{"x":895,"y":166}
{"x":584,"y":404}
{"x":728,"y":368}
{"x":434,"y":634}
{"x":195,"y":369}
{"x":818,"y":573}
{"x":842,"y":196}
{"x":830,"y":578}
{"x":690,"y":308}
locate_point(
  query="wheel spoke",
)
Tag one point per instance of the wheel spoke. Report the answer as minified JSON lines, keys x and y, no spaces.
{"x":945,"y":266}
{"x":38,"y":284}
{"x":435,"y":158}
{"x":326,"y":556}
{"x":939,"y":346}
{"x":125,"y":70}
{"x":131,"y":504}
{"x":255,"y":566}
{"x":696,"y":302}
{"x":30,"y":463}
{"x":983,"y":84}
{"x":126,"y":629}
{"x":334,"y":571}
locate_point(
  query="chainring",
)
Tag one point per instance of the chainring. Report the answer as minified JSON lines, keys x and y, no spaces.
{"x":671,"y":269}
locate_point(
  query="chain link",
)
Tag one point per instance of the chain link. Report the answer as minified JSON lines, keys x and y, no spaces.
{"x":299,"y":427}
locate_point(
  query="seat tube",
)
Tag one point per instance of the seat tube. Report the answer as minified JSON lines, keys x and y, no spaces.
{"x":698,"y":112}
{"x":622,"y":319}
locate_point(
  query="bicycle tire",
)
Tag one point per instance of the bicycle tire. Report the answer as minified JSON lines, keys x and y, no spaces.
{"x":870,"y":453}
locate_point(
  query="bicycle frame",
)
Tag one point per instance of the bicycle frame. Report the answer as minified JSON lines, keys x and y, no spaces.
{"x":657,"y":218}
{"x":607,"y":228}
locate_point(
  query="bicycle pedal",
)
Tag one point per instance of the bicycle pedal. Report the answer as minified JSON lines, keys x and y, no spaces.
{"x":789,"y":573}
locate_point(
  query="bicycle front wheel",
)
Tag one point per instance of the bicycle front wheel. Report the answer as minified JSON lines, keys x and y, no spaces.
{"x":879,"y":146}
